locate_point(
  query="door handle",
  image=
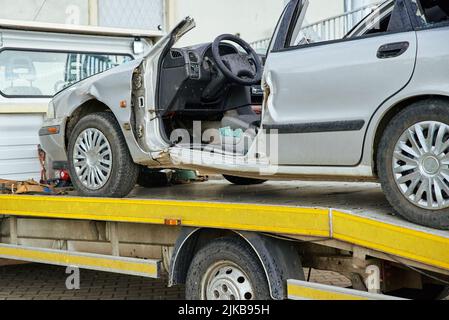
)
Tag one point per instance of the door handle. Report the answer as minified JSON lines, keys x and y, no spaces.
{"x":392,"y":50}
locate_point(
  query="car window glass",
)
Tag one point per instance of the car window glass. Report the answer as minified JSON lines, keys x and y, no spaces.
{"x":431,"y":12}
{"x":377,"y":22}
{"x":333,"y":20}
{"x":37,"y":73}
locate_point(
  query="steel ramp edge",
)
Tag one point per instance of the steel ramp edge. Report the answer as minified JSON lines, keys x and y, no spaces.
{"x":301,"y":290}
{"x":130,"y":266}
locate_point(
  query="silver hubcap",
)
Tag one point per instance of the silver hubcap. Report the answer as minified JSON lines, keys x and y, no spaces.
{"x":226,"y":281}
{"x":421,"y":165}
{"x":92,"y":159}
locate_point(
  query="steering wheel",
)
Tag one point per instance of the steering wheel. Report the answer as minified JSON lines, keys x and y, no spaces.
{"x":239,"y":68}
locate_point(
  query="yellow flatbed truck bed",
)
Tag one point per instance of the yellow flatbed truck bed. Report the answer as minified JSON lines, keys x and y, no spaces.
{"x":343,"y":227}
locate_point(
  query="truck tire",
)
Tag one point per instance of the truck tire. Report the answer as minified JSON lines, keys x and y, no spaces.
{"x":226,"y":269}
{"x":239,"y":181}
{"x":413,"y":163}
{"x":100,"y":164}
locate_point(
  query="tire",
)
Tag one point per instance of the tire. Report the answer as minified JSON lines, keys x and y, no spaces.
{"x":238,"y":261}
{"x":239,"y":181}
{"x":420,"y":113}
{"x":123,"y":172}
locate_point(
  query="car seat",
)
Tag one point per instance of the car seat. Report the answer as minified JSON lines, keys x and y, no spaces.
{"x":21,"y":69}
{"x":241,"y":118}
{"x":244,"y":119}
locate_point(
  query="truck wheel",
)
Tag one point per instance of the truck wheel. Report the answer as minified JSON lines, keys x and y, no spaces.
{"x":99,"y":160}
{"x":226,"y":269}
{"x":243,"y":181}
{"x":413,"y":163}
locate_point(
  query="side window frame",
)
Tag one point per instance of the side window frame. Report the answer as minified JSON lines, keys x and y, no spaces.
{"x":344,"y":39}
{"x":54,"y":51}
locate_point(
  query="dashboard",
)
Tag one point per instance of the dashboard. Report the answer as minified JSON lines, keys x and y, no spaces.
{"x":198,"y":59}
{"x":190,"y":82}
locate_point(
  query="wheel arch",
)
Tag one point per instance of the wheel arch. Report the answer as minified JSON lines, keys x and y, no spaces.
{"x":85,"y":109}
{"x":280,"y":259}
{"x":390,"y":113}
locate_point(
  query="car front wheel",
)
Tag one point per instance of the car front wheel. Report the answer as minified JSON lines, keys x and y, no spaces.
{"x":99,"y":160}
{"x":413,"y":163}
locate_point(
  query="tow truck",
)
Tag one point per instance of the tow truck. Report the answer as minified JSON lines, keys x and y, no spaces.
{"x":236,"y":242}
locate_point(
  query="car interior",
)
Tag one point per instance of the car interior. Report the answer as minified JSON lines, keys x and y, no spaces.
{"x":197,"y":88}
{"x":21,"y":74}
{"x":393,"y":19}
{"x":435,"y":11}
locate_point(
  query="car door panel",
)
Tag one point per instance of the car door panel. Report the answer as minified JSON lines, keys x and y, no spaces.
{"x":327,"y":85}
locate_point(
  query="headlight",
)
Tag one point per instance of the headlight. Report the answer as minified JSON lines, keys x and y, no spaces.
{"x":51,"y":111}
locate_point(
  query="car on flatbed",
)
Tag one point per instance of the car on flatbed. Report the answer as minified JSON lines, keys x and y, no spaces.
{"x":371,"y":106}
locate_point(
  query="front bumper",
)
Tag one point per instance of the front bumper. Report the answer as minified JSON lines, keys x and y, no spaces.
{"x":52,"y":141}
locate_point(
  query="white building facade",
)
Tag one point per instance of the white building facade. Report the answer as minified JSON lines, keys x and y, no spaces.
{"x":134,"y":14}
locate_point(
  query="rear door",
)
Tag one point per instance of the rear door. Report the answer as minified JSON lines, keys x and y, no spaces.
{"x":326,"y":87}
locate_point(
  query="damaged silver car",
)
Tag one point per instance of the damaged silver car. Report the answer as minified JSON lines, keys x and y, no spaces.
{"x":370,"y":106}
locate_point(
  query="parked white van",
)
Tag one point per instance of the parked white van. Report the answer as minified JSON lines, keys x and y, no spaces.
{"x":37,"y":60}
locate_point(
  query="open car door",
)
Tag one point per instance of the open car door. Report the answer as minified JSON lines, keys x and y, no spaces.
{"x":149,"y":116}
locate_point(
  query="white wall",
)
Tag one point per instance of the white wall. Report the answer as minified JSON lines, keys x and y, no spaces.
{"x":55,"y":11}
{"x":354,"y":4}
{"x":322,"y":9}
{"x":18,"y":146}
{"x":253,"y":19}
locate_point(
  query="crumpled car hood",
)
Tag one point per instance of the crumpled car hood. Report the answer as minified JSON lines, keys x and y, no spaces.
{"x":115,"y":86}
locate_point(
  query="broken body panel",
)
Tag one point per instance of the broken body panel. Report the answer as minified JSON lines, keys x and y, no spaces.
{"x":111,"y":88}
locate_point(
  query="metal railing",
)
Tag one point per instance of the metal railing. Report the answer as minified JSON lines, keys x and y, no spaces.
{"x":335,"y":27}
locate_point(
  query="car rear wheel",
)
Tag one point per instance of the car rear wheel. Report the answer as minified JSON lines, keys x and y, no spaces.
{"x":413,"y":163}
{"x":243,"y":181}
{"x":226,"y":269}
{"x":99,"y":160}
